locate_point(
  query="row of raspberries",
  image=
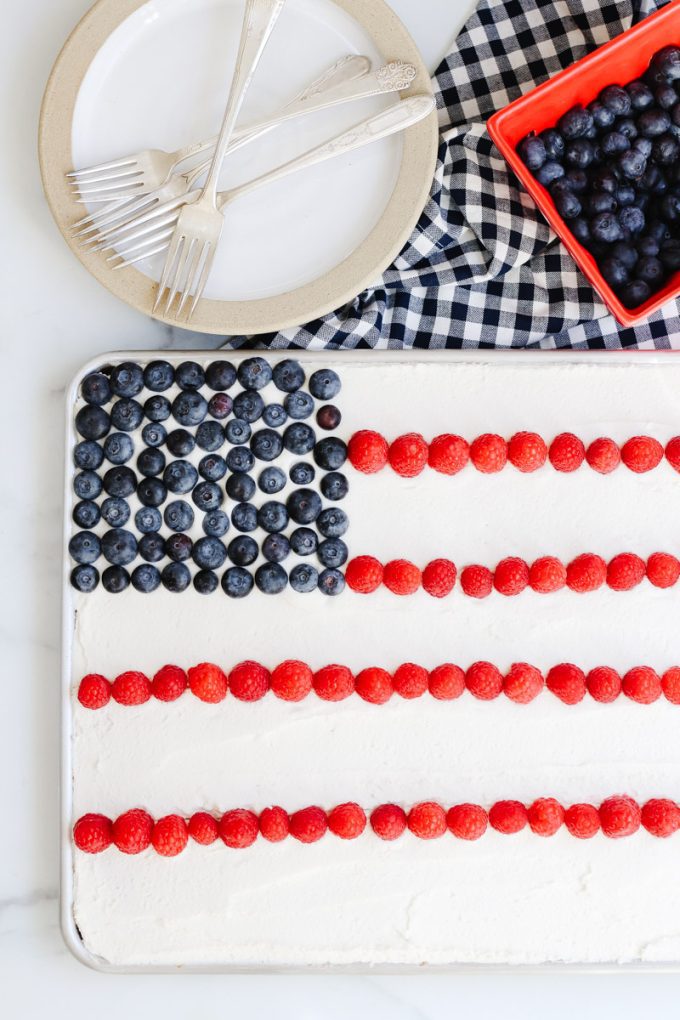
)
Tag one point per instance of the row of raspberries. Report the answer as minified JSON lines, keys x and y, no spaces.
{"x":513,"y":575}
{"x":294,"y":680}
{"x":135,"y":830}
{"x":448,"y":454}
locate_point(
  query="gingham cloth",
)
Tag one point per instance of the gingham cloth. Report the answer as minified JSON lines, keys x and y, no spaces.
{"x":483,"y":269}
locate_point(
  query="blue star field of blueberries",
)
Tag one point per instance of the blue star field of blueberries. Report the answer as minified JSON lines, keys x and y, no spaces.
{"x":139,"y":499}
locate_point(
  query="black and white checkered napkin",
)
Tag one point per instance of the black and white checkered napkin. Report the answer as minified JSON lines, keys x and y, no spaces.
{"x":483,"y":269}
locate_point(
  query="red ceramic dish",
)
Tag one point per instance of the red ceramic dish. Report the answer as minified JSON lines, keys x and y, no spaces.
{"x":616,"y":63}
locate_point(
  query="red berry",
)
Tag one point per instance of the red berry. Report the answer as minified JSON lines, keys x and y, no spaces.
{"x":249,"y":681}
{"x":388,"y":821}
{"x":208,"y":683}
{"x":546,"y":816}
{"x":131,"y":688}
{"x":641,"y":454}
{"x":511,"y":576}
{"x":476,"y":581}
{"x":94,"y":691}
{"x":401,"y":577}
{"x":586,"y":573}
{"x":446,"y":682}
{"x":170,"y":836}
{"x":508,"y":817}
{"x":364,"y":574}
{"x":527,"y":451}
{"x":309,"y":824}
{"x":333,"y":683}
{"x":132,"y":831}
{"x":439,"y":578}
{"x":427,"y":820}
{"x":374,"y":685}
{"x":625,"y":572}
{"x":239,"y":828}
{"x":642,"y":684}
{"x":408,"y":455}
{"x":203,"y":828}
{"x":410,"y":681}
{"x":347,"y":821}
{"x":619,"y":816}
{"x":448,"y":454}
{"x":661,"y":817}
{"x":670,"y":685}
{"x":484,"y":681}
{"x":467,"y":821}
{"x":274,"y":824}
{"x":292,"y":680}
{"x":93,"y":833}
{"x":673,"y":453}
{"x":603,"y":455}
{"x":169,"y":683}
{"x":567,"y":682}
{"x":367,"y":451}
{"x":523,"y":683}
{"x":567,"y":452}
{"x":547,"y":574}
{"x":604,"y":684}
{"x":663,"y":570}
{"x":582,"y":820}
{"x":489,"y":453}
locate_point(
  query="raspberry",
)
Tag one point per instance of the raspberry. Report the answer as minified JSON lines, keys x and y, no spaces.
{"x":545,"y":816}
{"x":663,"y":570}
{"x":367,"y":451}
{"x":567,"y":682}
{"x":94,"y":691}
{"x":388,"y":821}
{"x":364,"y":574}
{"x":625,"y":572}
{"x":132,"y":831}
{"x":586,"y":573}
{"x":641,"y":454}
{"x":661,"y":817}
{"x":93,"y":833}
{"x":582,"y":821}
{"x":274,"y":824}
{"x":410,"y":681}
{"x":427,"y":820}
{"x":308,"y":825}
{"x":448,"y":454}
{"x":408,"y":455}
{"x":170,"y":836}
{"x":484,"y":681}
{"x":511,"y":576}
{"x":476,"y":581}
{"x":508,"y":816}
{"x":567,"y":452}
{"x":347,"y":821}
{"x":208,"y":683}
{"x":446,"y":682}
{"x":547,"y":574}
{"x":333,"y":683}
{"x":292,"y":680}
{"x":604,"y":684}
{"x":467,"y":821}
{"x":249,"y":681}
{"x":642,"y":684}
{"x":169,"y":683}
{"x":203,"y":828}
{"x":439,"y":577}
{"x":374,"y":685}
{"x":670,"y":685}
{"x":619,"y":816}
{"x":239,"y":828}
{"x":489,"y":453}
{"x":527,"y":451}
{"x":523,"y":683}
{"x":673,"y":453}
{"x":401,"y":577}
{"x":603,"y":455}
{"x":131,"y":689}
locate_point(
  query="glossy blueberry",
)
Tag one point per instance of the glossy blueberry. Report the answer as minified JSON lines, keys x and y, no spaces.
{"x":625,"y":195}
{"x":532,"y":152}
{"x":178,"y":515}
{"x":158,"y":376}
{"x":240,"y":458}
{"x":119,"y":547}
{"x":151,"y":462}
{"x":605,"y":227}
{"x":665,"y":65}
{"x":205,"y":582}
{"x":276,"y":548}
{"x":616,"y":99}
{"x":331,"y":582}
{"x":243,"y":551}
{"x":580,"y":153}
{"x":652,"y":123}
{"x":96,"y":388}
{"x":248,"y":405}
{"x":220,"y":375}
{"x":86,"y":514}
{"x":330,"y":453}
{"x":237,"y":431}
{"x":118,"y":448}
{"x":648,"y":246}
{"x":625,"y":253}
{"x":304,"y":541}
{"x":120,"y":481}
{"x":628,"y":128}
{"x":87,"y":485}
{"x":658,"y":230}
{"x":325,"y":384}
{"x":180,"y":476}
{"x":274,"y":416}
{"x":240,"y":487}
{"x":180,"y":443}
{"x":288,"y":375}
{"x":632,"y":219}
{"x":151,"y":492}
{"x":665,"y":96}
{"x":148,"y":519}
{"x":299,"y":405}
{"x":92,"y":422}
{"x":85,"y":578}
{"x":613,"y":143}
{"x":632,"y":164}
{"x":603,"y":118}
{"x":651,"y":177}
{"x":641,"y":96}
{"x":207,"y":496}
{"x":157,"y":408}
{"x":127,"y":379}
{"x":272,"y":480}
{"x":644,"y":146}
{"x":145,"y":578}
{"x":216,"y":523}
{"x":154,"y":434}
{"x":665,"y":150}
{"x":615,"y":272}
{"x":567,"y":204}
{"x":254,"y":373}
{"x":302,"y":474}
{"x":299,"y":438}
{"x":115,"y":579}
{"x":220,"y":406}
{"x":209,"y":553}
{"x":116,"y":512}
{"x":189,"y":376}
{"x":244,"y":517}
{"x":304,"y":506}
{"x":328,"y":417}
{"x":210,"y":436}
{"x":152,"y":547}
{"x":554,"y":145}
{"x":334,"y":486}
{"x":304,"y":578}
{"x":601,"y":202}
{"x":176,"y":577}
{"x":332,"y":553}
{"x":333,"y":522}
{"x":266,"y":445}
{"x":189,"y":408}
{"x":670,"y":254}
{"x":127,"y":415}
{"x":237,"y":582}
{"x":635,"y":293}
{"x":650,"y":270}
{"x":272,"y":516}
{"x":212,"y":467}
{"x":580,"y":229}
{"x":271,"y":578}
{"x":85,"y":547}
{"x":549,"y":172}
{"x":575,"y":122}
{"x":178,"y":547}
{"x":88,"y":455}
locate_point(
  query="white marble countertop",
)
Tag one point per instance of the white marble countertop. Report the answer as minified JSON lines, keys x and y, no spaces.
{"x":54,"y":318}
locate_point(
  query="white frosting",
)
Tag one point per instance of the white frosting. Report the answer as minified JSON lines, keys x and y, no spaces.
{"x":502,"y":899}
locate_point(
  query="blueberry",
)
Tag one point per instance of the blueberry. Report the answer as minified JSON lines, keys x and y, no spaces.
{"x":675,"y":116}
{"x":567,"y":204}
{"x":237,"y":582}
{"x":158,"y":376}
{"x":670,"y":254}
{"x":151,"y":462}
{"x":212,"y":467}
{"x":325,"y":384}
{"x":304,"y":506}
{"x":220,"y":406}
{"x":118,"y":448}
{"x":665,"y":150}
{"x":658,"y":230}
{"x":266,"y":444}
{"x":274,"y":415}
{"x":648,"y":246}
{"x":549,"y":172}
{"x":237,"y":431}
{"x":88,"y":455}
{"x":641,"y":96}
{"x":127,"y":380}
{"x":271,"y":578}
{"x":178,"y":547}
{"x":151,"y":492}
{"x":288,"y":375}
{"x":652,"y":123}
{"x":299,"y":438}
{"x":244,"y":517}
{"x":627,"y":127}
{"x":275,"y":548}
{"x":554,"y":144}
{"x":644,"y":146}
{"x":157,"y":408}
{"x":86,"y":514}
{"x":176,"y":577}
{"x":115,"y":579}
{"x":85,"y":547}
{"x":650,"y":270}
{"x":602,"y":116}
{"x":205,"y":582}
{"x":333,"y":522}
{"x":580,"y":229}
{"x":207,"y":496}
{"x":605,"y":227}
{"x":220,"y":375}
{"x":96,"y":388}
{"x":189,"y":408}
{"x":180,"y":443}
{"x":635,"y":293}
{"x":613,"y":143}
{"x":304,"y":578}
{"x":632,"y":219}
{"x":334,"y":486}
{"x":665,"y":96}
{"x":330,"y":453}
{"x":119,"y":547}
{"x":145,"y":578}
{"x":304,"y":541}
{"x":180,"y":477}
{"x":240,"y":487}
{"x":154,"y":434}
{"x":240,"y":458}
{"x":625,"y":253}
{"x":616,"y":99}
{"x":85,"y":578}
{"x":254,"y":373}
{"x":127,"y":415}
{"x":272,"y":480}
{"x":575,"y":122}
{"x":152,"y":547}
{"x":148,"y":519}
{"x":92,"y":422}
{"x":178,"y":515}
{"x":120,"y":481}
{"x":216,"y":523}
{"x":532,"y":152}
{"x":189,"y":376}
{"x":209,"y":553}
{"x":243,"y":551}
{"x":87,"y":485}
{"x":625,"y":194}
{"x":210,"y":436}
{"x":302,"y":474}
{"x":248,"y":406}
{"x":632,"y":164}
{"x":665,"y":65}
{"x":331,"y":582}
{"x":272,"y":516}
{"x":332,"y":553}
{"x":328,"y":417}
{"x":615,"y":272}
{"x":116,"y":512}
{"x":580,"y":153}
{"x":299,"y":405}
